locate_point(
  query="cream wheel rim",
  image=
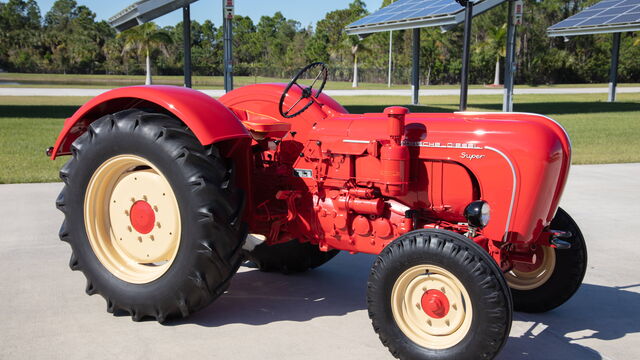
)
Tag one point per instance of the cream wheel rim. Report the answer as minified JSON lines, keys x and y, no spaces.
{"x":531,"y":279}
{"x":452,"y":321}
{"x":132,"y":219}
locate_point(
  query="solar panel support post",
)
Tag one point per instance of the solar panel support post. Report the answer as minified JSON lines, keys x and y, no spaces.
{"x":613,"y":75}
{"x":415,"y":75}
{"x":186,"y":39}
{"x":228,"y":55}
{"x":509,"y":66}
{"x":390,"y":54}
{"x":464,"y":82}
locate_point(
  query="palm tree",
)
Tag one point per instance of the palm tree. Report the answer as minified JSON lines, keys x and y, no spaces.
{"x":355,"y":44}
{"x":496,"y":41}
{"x":146,"y":39}
{"x":354,"y":52}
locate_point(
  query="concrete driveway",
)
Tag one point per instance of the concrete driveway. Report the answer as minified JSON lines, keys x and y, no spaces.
{"x":44,"y":312}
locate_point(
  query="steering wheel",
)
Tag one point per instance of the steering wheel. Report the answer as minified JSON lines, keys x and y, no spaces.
{"x":307,"y":92}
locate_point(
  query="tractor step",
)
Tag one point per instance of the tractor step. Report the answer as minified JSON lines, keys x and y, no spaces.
{"x":557,"y":239}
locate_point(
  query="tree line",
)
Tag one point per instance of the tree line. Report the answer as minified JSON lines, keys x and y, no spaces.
{"x":68,"y":39}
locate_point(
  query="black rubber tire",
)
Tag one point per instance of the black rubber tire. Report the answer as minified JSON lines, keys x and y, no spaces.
{"x":210,"y":210}
{"x":476,"y":270}
{"x":567,"y":276}
{"x":289,"y":257}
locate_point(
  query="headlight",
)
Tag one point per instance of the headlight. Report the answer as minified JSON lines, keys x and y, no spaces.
{"x":478,"y":213}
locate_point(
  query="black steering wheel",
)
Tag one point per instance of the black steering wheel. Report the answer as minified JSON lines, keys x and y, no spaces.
{"x":307,"y":91}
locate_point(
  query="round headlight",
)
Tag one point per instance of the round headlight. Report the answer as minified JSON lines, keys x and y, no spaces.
{"x":478,"y":213}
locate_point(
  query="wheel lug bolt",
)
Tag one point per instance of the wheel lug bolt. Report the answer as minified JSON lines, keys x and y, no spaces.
{"x":140,"y":238}
{"x":158,"y":225}
{"x":447,"y":322}
{"x":126,"y":212}
{"x":155,"y":208}
{"x":133,"y":199}
{"x":129,"y":228}
{"x":442,"y":289}
{"x":418,"y":305}
{"x":152,"y":238}
{"x":429,"y":322}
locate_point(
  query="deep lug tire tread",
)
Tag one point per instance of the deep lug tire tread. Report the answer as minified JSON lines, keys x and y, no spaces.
{"x":571,"y":266}
{"x":288,"y":258}
{"x":483,"y":279}
{"x":203,"y":178}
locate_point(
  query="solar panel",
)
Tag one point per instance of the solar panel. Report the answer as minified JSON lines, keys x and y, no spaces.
{"x":605,"y":16}
{"x":406,"y":14}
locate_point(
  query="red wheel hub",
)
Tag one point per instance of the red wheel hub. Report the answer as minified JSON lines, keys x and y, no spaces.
{"x":142,"y":217}
{"x":537,"y":262}
{"x":435,"y":303}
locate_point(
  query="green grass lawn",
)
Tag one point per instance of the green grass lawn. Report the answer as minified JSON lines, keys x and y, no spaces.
{"x":601,"y":132}
{"x":199,"y":82}
{"x":207,"y":82}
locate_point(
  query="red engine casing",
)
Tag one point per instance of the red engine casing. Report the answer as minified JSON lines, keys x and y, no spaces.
{"x":345,"y":180}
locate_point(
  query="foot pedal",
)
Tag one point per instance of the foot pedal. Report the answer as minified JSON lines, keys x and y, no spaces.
{"x":557,"y":239}
{"x":558,"y":234}
{"x":561,"y":244}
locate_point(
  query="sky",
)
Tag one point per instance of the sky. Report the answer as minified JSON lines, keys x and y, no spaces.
{"x":307,"y":12}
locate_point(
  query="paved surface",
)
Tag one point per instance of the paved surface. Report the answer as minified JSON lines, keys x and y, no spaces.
{"x":44,"y":313}
{"x":23,"y":91}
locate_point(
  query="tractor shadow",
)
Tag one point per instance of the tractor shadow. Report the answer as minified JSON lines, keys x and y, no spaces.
{"x":594,"y":313}
{"x":565,"y":107}
{"x":548,"y":108}
{"x":258,"y":298}
{"x":37,"y":111}
{"x":339,"y":287}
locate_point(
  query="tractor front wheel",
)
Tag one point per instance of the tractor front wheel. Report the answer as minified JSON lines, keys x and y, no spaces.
{"x":152,"y":216}
{"x":434,"y":294}
{"x":556,"y":275}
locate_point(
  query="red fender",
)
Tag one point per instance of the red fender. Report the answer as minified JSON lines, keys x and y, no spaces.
{"x":209,"y":120}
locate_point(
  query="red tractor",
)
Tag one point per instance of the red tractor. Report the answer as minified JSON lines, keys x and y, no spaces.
{"x":168,"y":191}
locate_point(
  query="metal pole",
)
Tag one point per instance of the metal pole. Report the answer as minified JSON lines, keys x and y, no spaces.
{"x":509,"y":65}
{"x":613,"y":75}
{"x":228,"y":56}
{"x":186,"y":38}
{"x":416,"y":67}
{"x":464,"y":83}
{"x":390,"y":46}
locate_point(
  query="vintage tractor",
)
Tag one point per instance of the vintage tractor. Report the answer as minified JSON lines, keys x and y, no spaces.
{"x":168,"y":191}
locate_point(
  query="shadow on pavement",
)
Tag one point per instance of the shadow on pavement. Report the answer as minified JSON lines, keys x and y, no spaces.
{"x":549,"y":108}
{"x":567,"y":107}
{"x":595,"y":312}
{"x":338,"y":288}
{"x":37,"y":111}
{"x":361,"y":109}
{"x":258,"y":298}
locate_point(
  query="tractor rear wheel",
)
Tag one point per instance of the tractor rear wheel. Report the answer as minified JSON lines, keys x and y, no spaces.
{"x":557,"y":274}
{"x":152,"y":216}
{"x":435,"y":294}
{"x":289,"y":257}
